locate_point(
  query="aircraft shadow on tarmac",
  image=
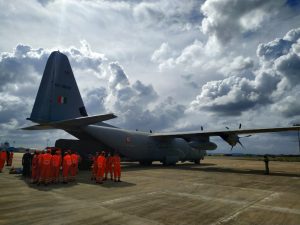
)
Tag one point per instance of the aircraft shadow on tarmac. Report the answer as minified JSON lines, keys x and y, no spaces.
{"x":132,"y":166}
{"x":241,"y":171}
{"x":208,"y":167}
{"x":79,"y":180}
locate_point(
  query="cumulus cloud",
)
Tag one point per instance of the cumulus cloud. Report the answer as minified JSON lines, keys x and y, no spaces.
{"x":289,"y":106}
{"x":225,"y":20}
{"x":169,"y":13}
{"x":136,"y":103}
{"x":162,"y":53}
{"x":266,"y":84}
{"x":192,"y":55}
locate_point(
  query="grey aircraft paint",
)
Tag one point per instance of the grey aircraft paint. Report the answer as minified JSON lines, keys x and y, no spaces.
{"x":58,"y":105}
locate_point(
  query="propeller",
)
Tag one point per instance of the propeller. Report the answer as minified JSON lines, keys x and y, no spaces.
{"x":201,"y":128}
{"x":234,"y":139}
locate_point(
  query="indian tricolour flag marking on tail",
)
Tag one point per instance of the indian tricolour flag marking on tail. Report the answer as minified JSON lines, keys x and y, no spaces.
{"x":61,"y":100}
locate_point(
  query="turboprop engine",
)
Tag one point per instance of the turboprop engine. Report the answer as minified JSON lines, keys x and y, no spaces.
{"x":233,"y":139}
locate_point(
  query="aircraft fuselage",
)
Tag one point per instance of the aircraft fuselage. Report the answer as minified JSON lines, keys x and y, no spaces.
{"x":140,"y":146}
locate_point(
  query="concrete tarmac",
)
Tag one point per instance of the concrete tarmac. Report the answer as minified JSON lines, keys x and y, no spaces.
{"x":222,"y":190}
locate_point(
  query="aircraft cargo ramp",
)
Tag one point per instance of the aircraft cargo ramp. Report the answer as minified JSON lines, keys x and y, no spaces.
{"x":222,"y":190}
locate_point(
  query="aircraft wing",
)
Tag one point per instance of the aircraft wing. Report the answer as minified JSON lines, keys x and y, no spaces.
{"x":191,"y":134}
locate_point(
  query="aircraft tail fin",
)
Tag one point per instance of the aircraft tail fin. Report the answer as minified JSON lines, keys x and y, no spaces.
{"x":58,"y":97}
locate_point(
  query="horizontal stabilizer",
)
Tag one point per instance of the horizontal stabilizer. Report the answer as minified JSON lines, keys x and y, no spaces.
{"x":77,"y":122}
{"x":38,"y":127}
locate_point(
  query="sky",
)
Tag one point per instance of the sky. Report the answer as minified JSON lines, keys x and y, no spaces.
{"x":162,"y":65}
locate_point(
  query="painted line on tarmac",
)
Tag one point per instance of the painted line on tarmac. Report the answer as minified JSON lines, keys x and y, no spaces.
{"x":240,"y":210}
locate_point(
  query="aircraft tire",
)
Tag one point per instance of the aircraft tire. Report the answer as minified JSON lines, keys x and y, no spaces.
{"x":197,"y":161}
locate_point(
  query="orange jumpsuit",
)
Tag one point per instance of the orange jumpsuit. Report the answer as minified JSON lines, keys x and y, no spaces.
{"x":101,"y":162}
{"x":39,"y":166}
{"x":2,"y":159}
{"x":67,"y":163}
{"x":74,"y":167}
{"x":46,"y":168}
{"x":11,"y":156}
{"x":34,"y":168}
{"x":56,"y":162}
{"x":117,"y":167}
{"x":108,"y":167}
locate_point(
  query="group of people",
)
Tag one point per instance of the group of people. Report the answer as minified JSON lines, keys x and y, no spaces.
{"x":44,"y":167}
{"x":5,"y":156}
{"x":104,"y":164}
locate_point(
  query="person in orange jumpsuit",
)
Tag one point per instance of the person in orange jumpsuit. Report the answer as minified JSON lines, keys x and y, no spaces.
{"x":79,"y":161}
{"x":34,"y":168}
{"x":101,"y":163}
{"x":46,"y":168}
{"x":39,"y":166}
{"x":108,"y":167}
{"x":2,"y":159}
{"x":56,"y":162}
{"x":94,"y":166}
{"x":67,"y":163}
{"x":74,"y":167}
{"x":116,"y":162}
{"x":10,"y":159}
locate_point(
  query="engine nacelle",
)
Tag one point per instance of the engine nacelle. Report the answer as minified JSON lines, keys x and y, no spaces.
{"x":202,"y":145}
{"x":231,"y":139}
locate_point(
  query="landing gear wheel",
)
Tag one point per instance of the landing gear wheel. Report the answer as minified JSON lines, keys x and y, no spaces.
{"x":197,"y":161}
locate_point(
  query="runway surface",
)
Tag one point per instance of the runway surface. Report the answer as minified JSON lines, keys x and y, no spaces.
{"x":222,"y":190}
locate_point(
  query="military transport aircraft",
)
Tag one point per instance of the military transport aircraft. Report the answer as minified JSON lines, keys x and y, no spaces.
{"x":58,"y":105}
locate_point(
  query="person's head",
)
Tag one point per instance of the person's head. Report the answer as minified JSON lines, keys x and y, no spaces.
{"x":103,"y":153}
{"x":27,"y":150}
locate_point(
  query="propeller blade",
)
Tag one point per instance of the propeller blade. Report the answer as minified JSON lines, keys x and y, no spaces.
{"x":231,"y":147}
{"x":227,"y":128}
{"x":246,"y":136}
{"x":201,"y":128}
{"x":240,"y":126}
{"x":241,"y":144}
